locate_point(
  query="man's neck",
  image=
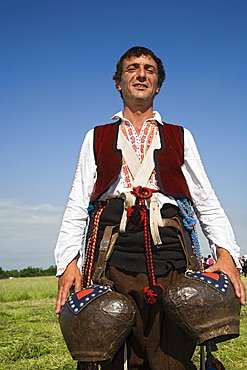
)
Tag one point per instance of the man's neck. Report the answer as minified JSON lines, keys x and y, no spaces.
{"x":138,"y":116}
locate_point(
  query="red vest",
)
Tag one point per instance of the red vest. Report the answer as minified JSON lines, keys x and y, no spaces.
{"x":168,"y":159}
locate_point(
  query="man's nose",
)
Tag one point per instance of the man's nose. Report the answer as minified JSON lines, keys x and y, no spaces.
{"x":141,"y":73}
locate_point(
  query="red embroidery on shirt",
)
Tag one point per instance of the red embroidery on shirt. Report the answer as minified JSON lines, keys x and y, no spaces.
{"x":140,"y":143}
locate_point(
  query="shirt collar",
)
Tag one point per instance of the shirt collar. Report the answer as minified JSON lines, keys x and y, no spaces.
{"x":156,"y":117}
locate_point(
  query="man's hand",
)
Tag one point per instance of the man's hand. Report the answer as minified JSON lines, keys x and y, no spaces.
{"x":226,"y":265}
{"x":70,"y":277}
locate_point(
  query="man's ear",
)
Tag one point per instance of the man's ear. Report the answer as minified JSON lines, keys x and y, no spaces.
{"x":118,"y":85}
{"x":157,"y":90}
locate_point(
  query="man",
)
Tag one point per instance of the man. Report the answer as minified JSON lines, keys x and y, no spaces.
{"x":148,"y":255}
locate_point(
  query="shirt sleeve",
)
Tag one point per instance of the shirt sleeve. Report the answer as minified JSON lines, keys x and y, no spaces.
{"x":70,"y":240}
{"x":212,"y":218}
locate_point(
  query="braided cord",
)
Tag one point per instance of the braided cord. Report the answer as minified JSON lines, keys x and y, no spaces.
{"x":153,"y":292}
{"x":92,"y":235}
{"x":189,"y":220}
{"x":148,"y":248}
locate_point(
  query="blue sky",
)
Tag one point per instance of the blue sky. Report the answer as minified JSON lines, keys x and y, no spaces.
{"x":57,"y":61}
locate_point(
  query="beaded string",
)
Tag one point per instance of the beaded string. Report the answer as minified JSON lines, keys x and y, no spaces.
{"x":92,"y":235}
{"x":189,"y":221}
{"x":152,"y":293}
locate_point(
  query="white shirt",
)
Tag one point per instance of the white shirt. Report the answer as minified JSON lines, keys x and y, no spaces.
{"x":213,"y":220}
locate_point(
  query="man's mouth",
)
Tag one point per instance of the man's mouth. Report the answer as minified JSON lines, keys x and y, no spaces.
{"x":140,"y":86}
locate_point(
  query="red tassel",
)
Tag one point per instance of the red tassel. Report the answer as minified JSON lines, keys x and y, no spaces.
{"x":153,"y":294}
{"x":149,"y":295}
{"x":136,"y":214}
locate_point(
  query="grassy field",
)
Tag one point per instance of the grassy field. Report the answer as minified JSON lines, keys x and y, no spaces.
{"x":30,"y":336}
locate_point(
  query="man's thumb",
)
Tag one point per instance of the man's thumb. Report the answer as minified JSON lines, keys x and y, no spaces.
{"x":210,"y":269}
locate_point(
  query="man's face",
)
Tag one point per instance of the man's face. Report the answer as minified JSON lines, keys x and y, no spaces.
{"x":139,"y":81}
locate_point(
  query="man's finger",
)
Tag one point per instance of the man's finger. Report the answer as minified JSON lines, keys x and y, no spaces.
{"x":61,"y":298}
{"x":58,"y":304}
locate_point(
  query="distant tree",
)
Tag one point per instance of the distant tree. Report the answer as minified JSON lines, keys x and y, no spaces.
{"x":28,"y":272}
{"x":13,"y":273}
{"x":50,"y":271}
{"x":2,"y":274}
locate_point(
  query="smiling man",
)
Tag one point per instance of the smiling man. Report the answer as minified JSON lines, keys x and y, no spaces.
{"x":144,"y":175}
{"x":139,"y":82}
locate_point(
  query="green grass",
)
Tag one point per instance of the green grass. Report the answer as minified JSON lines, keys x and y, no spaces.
{"x":30,"y":337}
{"x":23,"y":289}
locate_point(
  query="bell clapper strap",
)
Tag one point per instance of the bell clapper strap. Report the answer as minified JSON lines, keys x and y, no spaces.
{"x":105,"y":250}
{"x":191,"y":260}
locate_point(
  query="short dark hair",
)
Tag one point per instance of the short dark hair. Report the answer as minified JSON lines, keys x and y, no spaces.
{"x":138,"y":51}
